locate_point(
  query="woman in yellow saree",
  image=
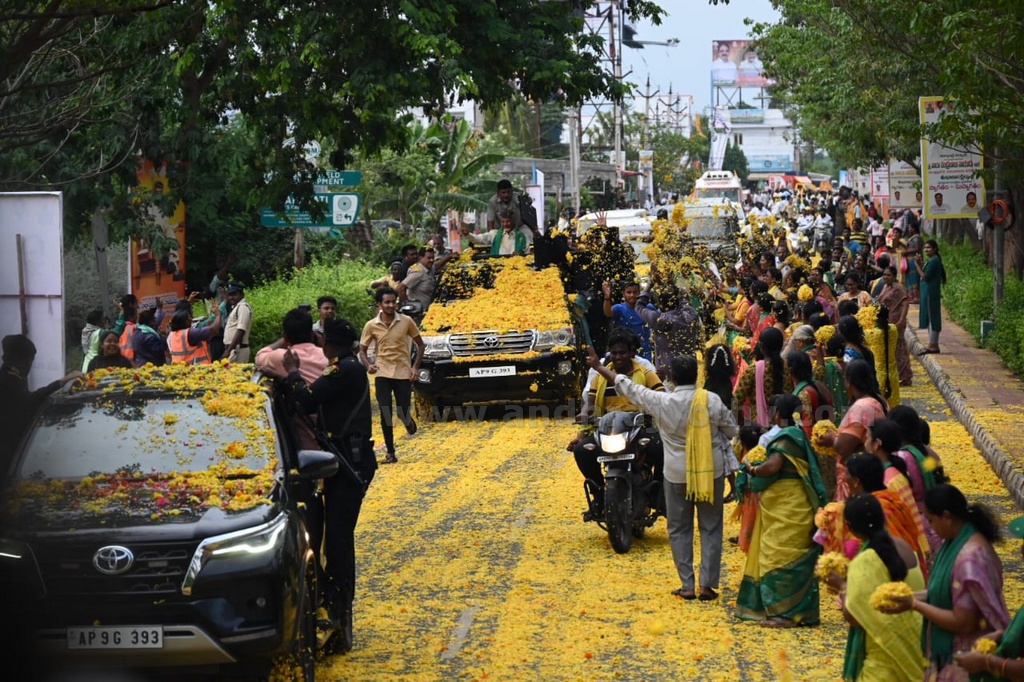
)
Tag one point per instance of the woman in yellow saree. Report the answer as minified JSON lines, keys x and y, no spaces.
{"x":778,"y":586}
{"x":879,"y":647}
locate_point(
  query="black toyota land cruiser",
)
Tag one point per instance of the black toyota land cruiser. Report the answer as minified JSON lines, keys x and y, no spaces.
{"x":153,"y":518}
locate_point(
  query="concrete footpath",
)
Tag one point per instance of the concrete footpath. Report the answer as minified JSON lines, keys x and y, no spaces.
{"x":982,"y":393}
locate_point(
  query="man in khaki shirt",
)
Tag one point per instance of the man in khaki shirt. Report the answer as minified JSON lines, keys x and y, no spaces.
{"x":392,"y":369}
{"x":236,"y":329}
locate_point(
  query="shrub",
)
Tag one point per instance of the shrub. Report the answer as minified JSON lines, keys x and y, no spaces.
{"x":967,"y":295}
{"x":347,"y":281}
{"x":967,"y":298}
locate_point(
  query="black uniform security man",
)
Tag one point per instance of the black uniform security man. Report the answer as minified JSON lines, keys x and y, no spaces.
{"x":342,"y":398}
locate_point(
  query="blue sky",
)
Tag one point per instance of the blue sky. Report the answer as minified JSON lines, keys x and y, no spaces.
{"x":695,"y":24}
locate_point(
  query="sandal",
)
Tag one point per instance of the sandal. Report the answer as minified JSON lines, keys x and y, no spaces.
{"x":684,"y":594}
{"x":779,"y":623}
{"x":708,"y":594}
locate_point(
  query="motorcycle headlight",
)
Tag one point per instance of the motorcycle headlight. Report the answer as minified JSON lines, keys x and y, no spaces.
{"x":251,"y":541}
{"x":613,"y":442}
{"x":547,"y":340}
{"x":436,"y":347}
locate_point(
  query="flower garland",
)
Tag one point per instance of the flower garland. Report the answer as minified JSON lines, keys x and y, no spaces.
{"x":829,"y":562}
{"x":818,"y":432}
{"x":223,"y":390}
{"x":887,"y":595}
{"x":519,"y":298}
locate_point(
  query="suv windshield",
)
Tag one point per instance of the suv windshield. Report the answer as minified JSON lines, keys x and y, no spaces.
{"x":159,"y":435}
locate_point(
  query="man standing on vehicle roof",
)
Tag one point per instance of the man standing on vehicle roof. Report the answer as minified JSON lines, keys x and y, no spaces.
{"x":342,"y":397}
{"x":418,"y":285}
{"x":504,"y":203}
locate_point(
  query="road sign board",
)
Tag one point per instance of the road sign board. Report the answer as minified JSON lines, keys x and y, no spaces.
{"x":336,"y":178}
{"x":340,"y":210}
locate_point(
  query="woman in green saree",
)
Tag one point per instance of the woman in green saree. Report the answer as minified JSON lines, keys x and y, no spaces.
{"x":778,"y":586}
{"x":1007,"y":662}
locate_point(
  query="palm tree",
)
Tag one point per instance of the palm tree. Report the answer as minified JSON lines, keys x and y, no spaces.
{"x":457,"y":178}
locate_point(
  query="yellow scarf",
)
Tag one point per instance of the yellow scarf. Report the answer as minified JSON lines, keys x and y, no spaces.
{"x":700,"y":461}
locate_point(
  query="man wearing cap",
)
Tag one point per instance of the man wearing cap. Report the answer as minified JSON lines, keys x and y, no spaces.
{"x":236,"y":331}
{"x":18,"y":405}
{"x":342,"y":397}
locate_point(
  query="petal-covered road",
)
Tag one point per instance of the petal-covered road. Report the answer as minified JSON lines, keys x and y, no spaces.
{"x":474,"y":564}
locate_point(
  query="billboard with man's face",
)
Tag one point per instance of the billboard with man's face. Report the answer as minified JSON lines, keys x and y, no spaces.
{"x":735,"y":63}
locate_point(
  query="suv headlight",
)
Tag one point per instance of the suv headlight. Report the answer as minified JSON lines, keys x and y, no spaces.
{"x":547,"y":340}
{"x":261,"y":539}
{"x":436,"y":347}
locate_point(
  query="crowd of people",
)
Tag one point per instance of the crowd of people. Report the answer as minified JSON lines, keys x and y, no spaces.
{"x":740,"y":364}
{"x":796,"y":333}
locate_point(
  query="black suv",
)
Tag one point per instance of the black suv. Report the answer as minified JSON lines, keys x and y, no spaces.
{"x":154,"y":518}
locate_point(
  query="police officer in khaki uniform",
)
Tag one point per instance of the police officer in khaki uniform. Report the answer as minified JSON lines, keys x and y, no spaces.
{"x":341,"y":396}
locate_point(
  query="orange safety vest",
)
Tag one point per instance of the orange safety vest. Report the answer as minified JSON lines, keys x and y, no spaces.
{"x":181,"y":352}
{"x":126,"y":340}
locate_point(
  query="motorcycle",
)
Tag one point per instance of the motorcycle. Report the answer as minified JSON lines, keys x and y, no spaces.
{"x":633,"y":499}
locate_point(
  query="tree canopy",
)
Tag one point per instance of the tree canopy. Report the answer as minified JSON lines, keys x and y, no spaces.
{"x":162,"y":79}
{"x":853,"y":71}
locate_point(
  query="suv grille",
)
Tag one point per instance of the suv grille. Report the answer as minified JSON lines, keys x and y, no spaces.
{"x":490,"y":343}
{"x":159,"y":568}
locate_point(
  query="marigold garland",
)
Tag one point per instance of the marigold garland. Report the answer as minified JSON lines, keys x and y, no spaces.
{"x":984,"y":645}
{"x":887,"y":595}
{"x":539,"y":302}
{"x":829,"y":562}
{"x":868,"y":317}
{"x":804,"y":293}
{"x":818,"y":433}
{"x":224,"y":390}
{"x":824,"y":334}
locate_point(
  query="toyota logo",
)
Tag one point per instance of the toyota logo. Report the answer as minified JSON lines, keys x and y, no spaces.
{"x":113,"y":559}
{"x":492,"y":342}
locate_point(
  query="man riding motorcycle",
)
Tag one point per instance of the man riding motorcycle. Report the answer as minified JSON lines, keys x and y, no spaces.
{"x":602,"y":398}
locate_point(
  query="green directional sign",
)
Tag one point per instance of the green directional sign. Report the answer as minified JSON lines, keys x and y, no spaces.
{"x":340,"y":210}
{"x":336,"y":178}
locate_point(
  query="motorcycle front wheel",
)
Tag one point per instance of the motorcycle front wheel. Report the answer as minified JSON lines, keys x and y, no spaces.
{"x":618,"y":514}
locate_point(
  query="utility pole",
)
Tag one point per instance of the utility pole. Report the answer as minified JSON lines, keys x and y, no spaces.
{"x":999,"y":235}
{"x":615,"y":52}
{"x":648,"y":173}
{"x":574,"y":159}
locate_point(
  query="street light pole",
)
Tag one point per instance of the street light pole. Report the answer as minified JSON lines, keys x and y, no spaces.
{"x":615,"y":30}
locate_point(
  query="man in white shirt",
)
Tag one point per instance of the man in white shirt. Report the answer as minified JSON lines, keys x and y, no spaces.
{"x":671,"y":412}
{"x":723,"y":69}
{"x":504,"y":242}
{"x":939,"y":208}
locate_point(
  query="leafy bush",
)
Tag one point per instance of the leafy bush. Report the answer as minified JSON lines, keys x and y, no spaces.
{"x":968,"y":298}
{"x":967,"y":294}
{"x":347,"y":281}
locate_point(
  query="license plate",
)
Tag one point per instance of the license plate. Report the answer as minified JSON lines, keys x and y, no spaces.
{"x":479,"y":372}
{"x":109,"y":637}
{"x":616,"y":458}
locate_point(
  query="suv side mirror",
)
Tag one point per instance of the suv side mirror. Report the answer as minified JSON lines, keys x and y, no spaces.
{"x":316,"y":464}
